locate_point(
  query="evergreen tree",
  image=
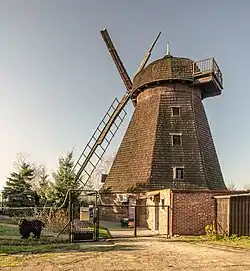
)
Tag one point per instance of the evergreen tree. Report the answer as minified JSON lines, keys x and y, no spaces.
{"x":64,"y":179}
{"x":45,"y":188}
{"x":17,"y":191}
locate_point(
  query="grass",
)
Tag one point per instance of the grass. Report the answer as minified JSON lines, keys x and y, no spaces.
{"x":103,"y":232}
{"x":38,"y":248}
{"x":10,"y":241}
{"x":12,"y":260}
{"x":232,"y":241}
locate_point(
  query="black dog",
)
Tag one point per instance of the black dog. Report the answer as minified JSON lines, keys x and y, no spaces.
{"x":27,"y":227}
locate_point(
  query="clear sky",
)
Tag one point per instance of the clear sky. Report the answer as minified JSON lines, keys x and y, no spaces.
{"x":57,"y":78}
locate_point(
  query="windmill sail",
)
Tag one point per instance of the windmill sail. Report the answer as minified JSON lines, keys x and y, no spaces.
{"x":112,"y":120}
{"x":100,"y":140}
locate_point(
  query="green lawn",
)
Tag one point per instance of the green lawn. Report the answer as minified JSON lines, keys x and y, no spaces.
{"x":103,"y":232}
{"x":238,"y":242}
{"x":233,"y":241}
{"x":11,"y":242}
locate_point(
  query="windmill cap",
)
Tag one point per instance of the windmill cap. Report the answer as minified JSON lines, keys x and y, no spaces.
{"x":166,"y":68}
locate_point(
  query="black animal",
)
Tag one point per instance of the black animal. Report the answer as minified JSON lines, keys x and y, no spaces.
{"x":27,"y":227}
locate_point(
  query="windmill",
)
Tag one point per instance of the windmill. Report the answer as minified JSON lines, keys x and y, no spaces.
{"x":168,"y":143}
{"x":109,"y":125}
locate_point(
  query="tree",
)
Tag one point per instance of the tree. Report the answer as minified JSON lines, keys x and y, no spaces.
{"x":103,"y":168}
{"x":247,"y":187}
{"x":43,"y":186}
{"x":64,"y":179}
{"x":231,"y":186}
{"x":17,"y":191}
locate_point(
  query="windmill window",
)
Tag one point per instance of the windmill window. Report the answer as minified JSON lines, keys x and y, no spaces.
{"x":176,"y":139}
{"x":163,"y":204}
{"x":178,"y":173}
{"x":175,"y":111}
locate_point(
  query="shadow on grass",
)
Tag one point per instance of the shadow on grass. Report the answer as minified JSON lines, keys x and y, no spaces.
{"x":158,"y":238}
{"x":17,"y":241}
{"x":138,"y":239}
{"x":65,"y":248}
{"x":115,"y":247}
{"x":11,"y":242}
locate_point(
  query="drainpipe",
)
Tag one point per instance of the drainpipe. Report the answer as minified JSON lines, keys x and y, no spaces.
{"x":171,"y":220}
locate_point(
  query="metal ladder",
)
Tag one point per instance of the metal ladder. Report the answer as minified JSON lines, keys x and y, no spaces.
{"x":100,"y":140}
{"x":112,"y":120}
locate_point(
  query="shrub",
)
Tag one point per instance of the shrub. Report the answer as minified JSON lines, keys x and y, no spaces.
{"x":56,"y":219}
{"x":211,"y":232}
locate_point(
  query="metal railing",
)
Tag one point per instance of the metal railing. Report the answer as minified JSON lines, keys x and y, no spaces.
{"x":208,"y":65}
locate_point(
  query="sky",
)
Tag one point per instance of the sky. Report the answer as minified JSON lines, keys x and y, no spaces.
{"x":57,"y":78}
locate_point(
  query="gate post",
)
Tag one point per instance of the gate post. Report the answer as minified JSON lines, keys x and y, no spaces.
{"x":135,"y":221}
{"x":70,"y":217}
{"x":94,"y":219}
{"x":97,"y":217}
{"x":97,"y":223}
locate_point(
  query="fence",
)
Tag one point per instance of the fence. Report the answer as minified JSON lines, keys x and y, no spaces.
{"x":134,"y":214}
{"x":208,"y":65}
{"x":95,"y":216}
{"x":134,"y":220}
{"x":233,"y":214}
{"x":103,"y":215}
{"x":53,"y":218}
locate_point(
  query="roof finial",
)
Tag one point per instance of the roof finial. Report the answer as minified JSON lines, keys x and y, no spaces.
{"x":168,"y":49}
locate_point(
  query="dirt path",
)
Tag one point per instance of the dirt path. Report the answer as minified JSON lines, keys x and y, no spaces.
{"x":141,"y":254}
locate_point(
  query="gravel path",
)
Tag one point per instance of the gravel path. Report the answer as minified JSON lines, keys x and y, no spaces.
{"x":141,"y":254}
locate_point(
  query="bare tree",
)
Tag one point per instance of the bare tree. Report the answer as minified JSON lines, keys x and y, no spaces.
{"x":231,"y":186}
{"x":103,"y":168}
{"x":39,"y":170}
{"x":247,"y":187}
{"x":21,"y":158}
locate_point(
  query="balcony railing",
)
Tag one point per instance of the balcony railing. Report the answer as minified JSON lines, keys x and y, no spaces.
{"x":206,"y":66}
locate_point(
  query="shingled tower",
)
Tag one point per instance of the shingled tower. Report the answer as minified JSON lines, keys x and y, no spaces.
{"x":168,"y":143}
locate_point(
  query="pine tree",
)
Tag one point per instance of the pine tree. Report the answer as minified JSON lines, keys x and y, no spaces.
{"x":43,"y":186}
{"x":17,"y":191}
{"x":64,"y":179}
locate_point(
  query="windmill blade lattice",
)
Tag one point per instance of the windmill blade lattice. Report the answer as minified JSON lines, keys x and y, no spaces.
{"x":103,"y":135}
{"x":100,"y":140}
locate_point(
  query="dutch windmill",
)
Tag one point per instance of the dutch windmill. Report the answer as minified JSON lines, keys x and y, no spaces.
{"x":109,"y":125}
{"x":168,"y":143}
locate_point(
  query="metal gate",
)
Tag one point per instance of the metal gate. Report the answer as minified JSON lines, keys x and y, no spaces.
{"x":83,"y":216}
{"x":101,"y":216}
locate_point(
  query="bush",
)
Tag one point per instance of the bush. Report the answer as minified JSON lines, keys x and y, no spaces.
{"x":211,"y":232}
{"x":56,"y":219}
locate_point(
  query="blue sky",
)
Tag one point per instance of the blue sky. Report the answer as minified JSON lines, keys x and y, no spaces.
{"x":57,"y":78}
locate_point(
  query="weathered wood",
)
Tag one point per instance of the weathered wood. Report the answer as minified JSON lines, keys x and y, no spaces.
{"x":233,"y":214}
{"x":146,"y":157}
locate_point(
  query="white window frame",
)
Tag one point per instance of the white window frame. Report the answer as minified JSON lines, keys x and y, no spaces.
{"x":172,"y":138}
{"x":175,"y":173}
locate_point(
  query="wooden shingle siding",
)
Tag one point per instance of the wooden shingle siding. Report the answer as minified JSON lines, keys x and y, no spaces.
{"x":146,"y":157}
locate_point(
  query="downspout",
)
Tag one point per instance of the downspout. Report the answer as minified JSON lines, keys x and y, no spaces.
{"x":171,"y":213}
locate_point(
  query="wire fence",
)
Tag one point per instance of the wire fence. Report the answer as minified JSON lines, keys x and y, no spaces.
{"x":118,"y":214}
{"x":53,"y":218}
{"x":138,"y":214}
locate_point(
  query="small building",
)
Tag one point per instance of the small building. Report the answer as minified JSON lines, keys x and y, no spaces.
{"x":167,"y":211}
{"x":167,"y":155}
{"x":233,"y":214}
{"x":179,"y":212}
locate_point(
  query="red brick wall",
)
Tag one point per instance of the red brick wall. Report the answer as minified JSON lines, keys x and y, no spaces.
{"x":193,"y":210}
